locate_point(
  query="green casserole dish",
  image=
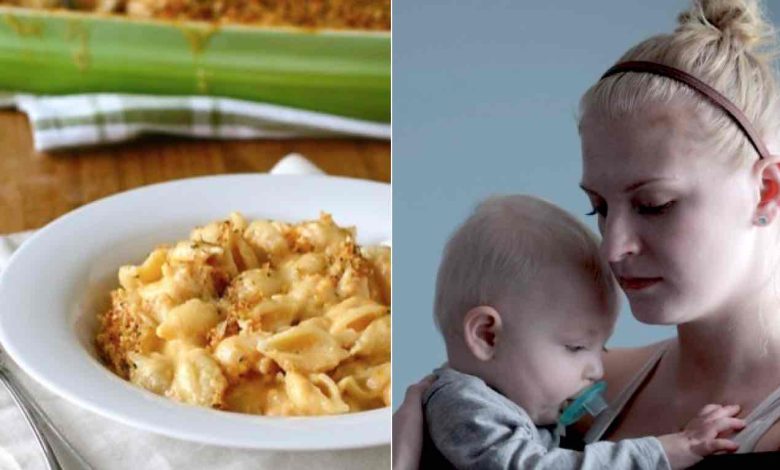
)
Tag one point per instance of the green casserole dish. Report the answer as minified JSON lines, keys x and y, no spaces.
{"x":62,"y":52}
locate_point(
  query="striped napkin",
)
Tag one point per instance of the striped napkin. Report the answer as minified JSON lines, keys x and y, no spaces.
{"x":100,"y":118}
{"x":106,"y":444}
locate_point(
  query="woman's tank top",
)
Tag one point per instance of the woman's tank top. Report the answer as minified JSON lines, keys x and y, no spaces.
{"x":758,"y":421}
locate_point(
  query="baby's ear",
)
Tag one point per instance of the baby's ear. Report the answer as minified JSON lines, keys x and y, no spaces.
{"x":481,"y":327}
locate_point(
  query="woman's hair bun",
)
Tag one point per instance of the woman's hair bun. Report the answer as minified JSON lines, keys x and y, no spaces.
{"x":739,"y":22}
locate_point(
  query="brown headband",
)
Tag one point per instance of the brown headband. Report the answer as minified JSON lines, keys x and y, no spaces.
{"x":718,"y":99}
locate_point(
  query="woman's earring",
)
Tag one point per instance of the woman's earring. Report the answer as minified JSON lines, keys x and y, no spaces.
{"x":762,"y":220}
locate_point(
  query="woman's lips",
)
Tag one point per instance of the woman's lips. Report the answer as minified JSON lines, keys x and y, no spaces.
{"x":637,"y":283}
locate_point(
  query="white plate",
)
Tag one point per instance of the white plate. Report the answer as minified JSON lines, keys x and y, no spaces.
{"x":59,"y":279}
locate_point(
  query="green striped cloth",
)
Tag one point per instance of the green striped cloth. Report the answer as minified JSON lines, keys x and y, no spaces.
{"x":93,"y":119}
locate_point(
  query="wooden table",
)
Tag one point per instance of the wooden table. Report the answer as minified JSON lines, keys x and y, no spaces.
{"x":36,"y":188}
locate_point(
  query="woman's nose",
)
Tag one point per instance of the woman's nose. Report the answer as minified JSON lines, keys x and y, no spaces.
{"x":618,"y":240}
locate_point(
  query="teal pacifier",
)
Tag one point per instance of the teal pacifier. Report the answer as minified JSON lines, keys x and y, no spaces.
{"x":587,"y":401}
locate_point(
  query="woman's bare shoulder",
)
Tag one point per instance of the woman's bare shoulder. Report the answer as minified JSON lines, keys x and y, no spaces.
{"x":622,"y":364}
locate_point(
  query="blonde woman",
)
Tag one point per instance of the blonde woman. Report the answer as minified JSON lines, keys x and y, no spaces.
{"x":679,"y":150}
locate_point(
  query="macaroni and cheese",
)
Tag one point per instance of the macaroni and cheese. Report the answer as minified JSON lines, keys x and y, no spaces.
{"x":330,"y":14}
{"x":264,"y":317}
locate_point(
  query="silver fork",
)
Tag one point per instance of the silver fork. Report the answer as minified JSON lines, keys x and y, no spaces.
{"x":40,"y":424}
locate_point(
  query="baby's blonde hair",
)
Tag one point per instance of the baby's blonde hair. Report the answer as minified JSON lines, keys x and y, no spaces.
{"x":499,"y":249}
{"x":726,"y":43}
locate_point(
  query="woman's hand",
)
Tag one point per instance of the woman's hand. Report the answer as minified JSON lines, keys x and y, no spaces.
{"x":408,"y":427}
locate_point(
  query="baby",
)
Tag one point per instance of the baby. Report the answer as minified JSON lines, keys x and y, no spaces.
{"x":525,"y":306}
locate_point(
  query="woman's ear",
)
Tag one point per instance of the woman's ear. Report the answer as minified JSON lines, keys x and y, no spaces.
{"x":768,"y":171}
{"x":481,"y":329}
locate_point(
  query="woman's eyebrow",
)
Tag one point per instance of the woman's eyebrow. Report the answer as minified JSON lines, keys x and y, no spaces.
{"x":633,"y":186}
{"x":639,"y":184}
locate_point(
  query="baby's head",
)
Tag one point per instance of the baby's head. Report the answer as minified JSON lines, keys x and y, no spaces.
{"x":524,"y":302}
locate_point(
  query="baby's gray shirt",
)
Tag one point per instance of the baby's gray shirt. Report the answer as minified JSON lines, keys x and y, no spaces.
{"x":475,"y":427}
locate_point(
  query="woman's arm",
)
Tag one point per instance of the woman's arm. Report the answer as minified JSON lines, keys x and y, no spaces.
{"x":408,"y":427}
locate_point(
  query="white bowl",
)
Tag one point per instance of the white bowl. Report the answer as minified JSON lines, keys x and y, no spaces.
{"x":59,"y":279}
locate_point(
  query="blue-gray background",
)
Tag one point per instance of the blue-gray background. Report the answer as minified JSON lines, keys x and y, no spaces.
{"x":484,"y":102}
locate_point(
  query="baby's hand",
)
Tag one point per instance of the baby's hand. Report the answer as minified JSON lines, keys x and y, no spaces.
{"x":701,"y":436}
